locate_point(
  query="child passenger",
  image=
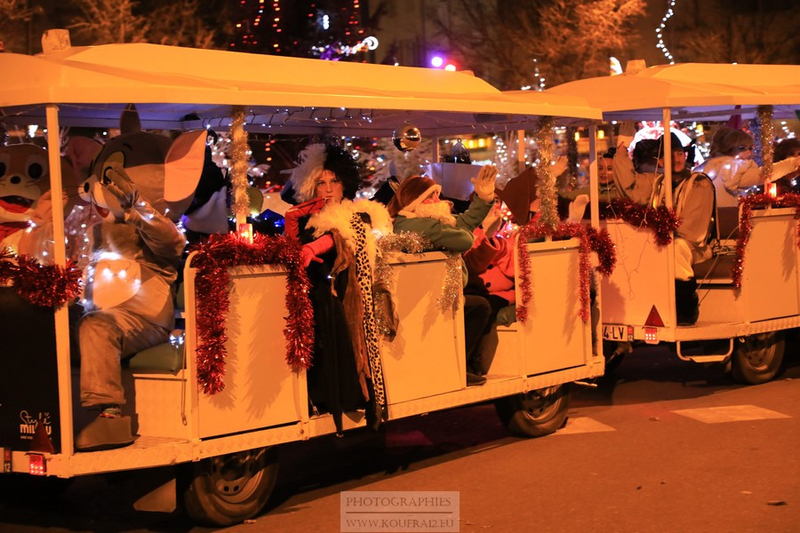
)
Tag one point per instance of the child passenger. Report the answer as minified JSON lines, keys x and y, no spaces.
{"x":607,"y":188}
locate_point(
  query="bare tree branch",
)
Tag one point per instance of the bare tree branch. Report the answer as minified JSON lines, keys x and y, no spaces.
{"x":569,"y":39}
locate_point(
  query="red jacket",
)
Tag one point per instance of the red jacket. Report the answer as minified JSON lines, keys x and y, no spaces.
{"x":490,"y":263}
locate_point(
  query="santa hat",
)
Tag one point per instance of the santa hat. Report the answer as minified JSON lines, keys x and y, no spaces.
{"x":408,"y":211}
{"x":411,"y":193}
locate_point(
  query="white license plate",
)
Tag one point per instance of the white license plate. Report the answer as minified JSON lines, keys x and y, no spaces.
{"x":617,"y":333}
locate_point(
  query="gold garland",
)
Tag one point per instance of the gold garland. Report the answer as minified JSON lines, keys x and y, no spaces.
{"x":453,"y":286}
{"x":414,"y":243}
{"x":404,"y":241}
{"x":765,"y":136}
{"x":240,"y":165}
{"x":546,"y":186}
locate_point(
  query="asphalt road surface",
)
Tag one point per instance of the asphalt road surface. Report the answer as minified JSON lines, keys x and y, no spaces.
{"x":660,"y":446}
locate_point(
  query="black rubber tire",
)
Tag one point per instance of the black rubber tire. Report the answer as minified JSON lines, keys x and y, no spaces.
{"x":226,"y":490}
{"x":759,"y":358}
{"x":535,"y":413}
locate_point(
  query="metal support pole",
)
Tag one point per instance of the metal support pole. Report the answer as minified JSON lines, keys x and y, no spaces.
{"x":669,"y":203}
{"x":667,"y":155}
{"x":594,"y":183}
{"x":60,"y":256}
{"x":594,"y":202}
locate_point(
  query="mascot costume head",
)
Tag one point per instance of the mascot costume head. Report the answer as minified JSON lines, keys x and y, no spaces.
{"x":25,"y":192}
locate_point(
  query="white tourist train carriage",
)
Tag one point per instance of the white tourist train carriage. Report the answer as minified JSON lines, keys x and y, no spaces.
{"x":751,"y":320}
{"x":264,"y":402}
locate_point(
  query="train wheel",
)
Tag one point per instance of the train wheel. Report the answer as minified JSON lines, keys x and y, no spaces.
{"x":229,"y":489}
{"x":535,"y":413}
{"x":758,"y":358}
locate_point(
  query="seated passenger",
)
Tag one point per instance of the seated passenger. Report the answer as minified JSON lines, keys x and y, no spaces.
{"x":135,"y":256}
{"x":416,"y":207}
{"x":490,"y":261}
{"x":732,"y":168}
{"x":607,"y":187}
{"x":693,"y":200}
{"x":490,"y":267}
{"x":645,"y":156}
{"x":338,"y":251}
{"x":784,"y":150}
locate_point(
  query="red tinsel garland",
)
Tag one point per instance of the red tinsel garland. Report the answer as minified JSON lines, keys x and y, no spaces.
{"x":748,"y":203}
{"x":43,"y":285}
{"x":600,"y":242}
{"x":218,"y":254}
{"x":661,"y":220}
{"x":590,"y":240}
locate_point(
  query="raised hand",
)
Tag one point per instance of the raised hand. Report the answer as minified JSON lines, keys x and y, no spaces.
{"x":484,"y":183}
{"x":493,"y":220}
{"x":117,"y":182}
{"x":626,"y":132}
{"x":559,"y":165}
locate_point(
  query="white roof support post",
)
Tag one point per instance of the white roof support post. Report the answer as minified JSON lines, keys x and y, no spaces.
{"x":594,"y":202}
{"x":667,"y":155}
{"x":594,"y":184}
{"x":667,"y":121}
{"x":61,"y":314}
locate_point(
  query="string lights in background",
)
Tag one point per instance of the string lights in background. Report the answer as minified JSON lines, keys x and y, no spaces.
{"x":540,"y":81}
{"x":276,"y":21}
{"x":787,"y":133}
{"x":660,"y":32}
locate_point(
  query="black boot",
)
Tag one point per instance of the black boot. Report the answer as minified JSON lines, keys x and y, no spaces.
{"x":687,"y":304}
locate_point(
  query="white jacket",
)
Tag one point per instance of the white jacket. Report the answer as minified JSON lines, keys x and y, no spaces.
{"x":733,"y":176}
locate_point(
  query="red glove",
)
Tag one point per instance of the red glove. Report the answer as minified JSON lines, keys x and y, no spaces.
{"x":291,"y":220}
{"x":315,"y":248}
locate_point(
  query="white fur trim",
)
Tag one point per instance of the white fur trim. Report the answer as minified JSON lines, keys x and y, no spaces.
{"x":337,"y":216}
{"x":445,"y":218}
{"x":304,"y":176}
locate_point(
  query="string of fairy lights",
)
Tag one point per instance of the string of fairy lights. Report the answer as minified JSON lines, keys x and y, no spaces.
{"x":276,"y":21}
{"x":660,"y":32}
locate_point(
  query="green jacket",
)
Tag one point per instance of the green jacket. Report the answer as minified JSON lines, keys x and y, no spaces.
{"x":456,"y":238}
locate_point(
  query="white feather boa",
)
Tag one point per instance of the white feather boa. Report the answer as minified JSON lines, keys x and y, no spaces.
{"x":337,"y":216}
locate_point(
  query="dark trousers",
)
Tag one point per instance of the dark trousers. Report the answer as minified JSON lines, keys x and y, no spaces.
{"x":477,"y":312}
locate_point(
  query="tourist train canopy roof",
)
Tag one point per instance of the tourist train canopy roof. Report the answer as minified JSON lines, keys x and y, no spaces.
{"x":691,"y":90}
{"x":186,"y":88}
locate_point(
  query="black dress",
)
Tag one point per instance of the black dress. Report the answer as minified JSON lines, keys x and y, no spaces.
{"x":333,"y":384}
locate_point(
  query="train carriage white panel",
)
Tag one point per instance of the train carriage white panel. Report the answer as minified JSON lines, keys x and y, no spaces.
{"x":554,"y":336}
{"x":426,"y":357}
{"x":260,"y":388}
